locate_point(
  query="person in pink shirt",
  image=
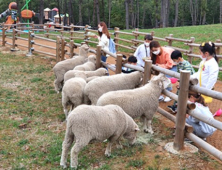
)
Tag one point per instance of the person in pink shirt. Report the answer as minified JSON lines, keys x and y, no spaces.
{"x":161,"y":56}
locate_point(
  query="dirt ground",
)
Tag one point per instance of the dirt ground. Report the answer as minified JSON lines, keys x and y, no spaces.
{"x":214,"y":140}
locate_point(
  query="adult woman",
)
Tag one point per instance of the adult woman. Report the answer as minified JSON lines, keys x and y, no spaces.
{"x":201,"y":129}
{"x":103,"y":38}
{"x":161,"y":57}
{"x":208,"y":69}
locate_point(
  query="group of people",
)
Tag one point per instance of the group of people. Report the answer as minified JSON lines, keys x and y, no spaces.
{"x":171,"y":59}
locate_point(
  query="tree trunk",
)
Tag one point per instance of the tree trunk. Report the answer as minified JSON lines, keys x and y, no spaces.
{"x":156,"y":13}
{"x":103,"y":11}
{"x":98,"y":14}
{"x":41,"y":9}
{"x":70,"y":9}
{"x":127,"y":13}
{"x":109,"y":6}
{"x":64,"y":12}
{"x":89,"y":19}
{"x":94,"y":13}
{"x":144,"y":14}
{"x":220,"y":11}
{"x":138,"y":13}
{"x":59,"y":7}
{"x":176,"y":13}
{"x":80,"y":12}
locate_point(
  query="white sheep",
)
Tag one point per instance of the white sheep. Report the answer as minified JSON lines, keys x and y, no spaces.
{"x":99,"y":72}
{"x":97,"y":87}
{"x":141,"y":102}
{"x":63,"y":66}
{"x":88,"y":123}
{"x":72,"y":92}
{"x":90,"y":65}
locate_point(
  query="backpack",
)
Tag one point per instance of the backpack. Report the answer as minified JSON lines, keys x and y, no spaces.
{"x":112,"y":47}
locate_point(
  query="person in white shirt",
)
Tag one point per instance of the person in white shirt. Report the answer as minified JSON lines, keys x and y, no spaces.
{"x":201,"y":129}
{"x":143,"y":50}
{"x":208,"y":69}
{"x":103,"y":38}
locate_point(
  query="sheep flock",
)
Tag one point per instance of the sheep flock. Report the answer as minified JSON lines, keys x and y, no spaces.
{"x":98,"y":107}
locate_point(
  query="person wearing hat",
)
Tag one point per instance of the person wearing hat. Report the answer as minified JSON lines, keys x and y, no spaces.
{"x":182,"y":64}
{"x":143,"y":51}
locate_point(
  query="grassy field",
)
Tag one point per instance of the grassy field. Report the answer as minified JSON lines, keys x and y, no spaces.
{"x":32,"y":127}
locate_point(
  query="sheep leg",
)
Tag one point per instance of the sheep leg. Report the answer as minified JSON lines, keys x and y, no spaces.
{"x":144,"y":124}
{"x":149,"y":123}
{"x":65,"y":148}
{"x":118,"y":145}
{"x":75,"y":151}
{"x":59,"y":82}
{"x":109,"y":146}
{"x":65,"y":104}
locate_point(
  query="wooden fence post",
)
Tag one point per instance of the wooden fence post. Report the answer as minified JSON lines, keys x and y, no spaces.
{"x":136,"y":36}
{"x":116,"y":36}
{"x":47,"y":30}
{"x":191,"y":50}
{"x":3,"y":35}
{"x":63,"y":51}
{"x":218,"y":48}
{"x":58,"y":49}
{"x":86,"y":32}
{"x":71,"y":31}
{"x":147,"y":71}
{"x":181,"y":112}
{"x":170,"y":41}
{"x":13,"y":40}
{"x":98,"y":56}
{"x":30,"y":44}
{"x":18,"y":28}
{"x":71,"y":48}
{"x":119,"y":64}
{"x":152,"y":33}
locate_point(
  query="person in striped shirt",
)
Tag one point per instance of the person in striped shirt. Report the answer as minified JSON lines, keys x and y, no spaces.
{"x":182,"y":64}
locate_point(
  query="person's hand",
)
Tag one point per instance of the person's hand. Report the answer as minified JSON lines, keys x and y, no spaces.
{"x":95,"y":36}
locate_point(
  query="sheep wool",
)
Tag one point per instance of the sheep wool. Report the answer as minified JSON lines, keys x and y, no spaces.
{"x":63,"y":66}
{"x":141,"y":102}
{"x":97,"y":87}
{"x":90,"y":65}
{"x":98,"y":73}
{"x":89,"y":123}
{"x":72,"y":92}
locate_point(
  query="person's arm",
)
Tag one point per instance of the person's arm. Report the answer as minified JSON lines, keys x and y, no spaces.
{"x":168,"y":61}
{"x":212,"y":78}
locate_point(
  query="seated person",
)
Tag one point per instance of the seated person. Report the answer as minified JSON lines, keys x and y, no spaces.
{"x":143,"y":50}
{"x":201,"y":129}
{"x":131,"y":60}
{"x":182,"y":64}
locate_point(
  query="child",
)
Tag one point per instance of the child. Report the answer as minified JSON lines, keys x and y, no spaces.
{"x":201,"y":129}
{"x":131,"y":60}
{"x":143,"y":50}
{"x":182,"y":64}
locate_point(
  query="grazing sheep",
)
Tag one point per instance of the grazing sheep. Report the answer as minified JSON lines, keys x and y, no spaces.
{"x":99,"y":72}
{"x":141,"y":102}
{"x":90,"y":65}
{"x":97,"y":87}
{"x":63,"y":66}
{"x":72,"y":92}
{"x":88,"y":123}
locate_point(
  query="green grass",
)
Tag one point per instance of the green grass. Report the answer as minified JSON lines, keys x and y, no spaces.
{"x":32,"y":125}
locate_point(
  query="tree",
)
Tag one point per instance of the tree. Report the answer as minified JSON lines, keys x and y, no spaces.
{"x":97,"y":12}
{"x":127,"y":13}
{"x":176,"y":13}
{"x":109,"y":6}
{"x":80,"y":12}
{"x":70,"y":9}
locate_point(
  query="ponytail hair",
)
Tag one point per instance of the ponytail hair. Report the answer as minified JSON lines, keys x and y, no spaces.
{"x":210,"y":48}
{"x":198,"y":97}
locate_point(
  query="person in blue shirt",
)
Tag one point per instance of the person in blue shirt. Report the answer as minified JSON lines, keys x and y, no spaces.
{"x":131,"y":60}
{"x":201,"y":129}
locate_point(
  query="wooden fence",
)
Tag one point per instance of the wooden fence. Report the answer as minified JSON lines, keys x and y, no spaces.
{"x":182,"y":129}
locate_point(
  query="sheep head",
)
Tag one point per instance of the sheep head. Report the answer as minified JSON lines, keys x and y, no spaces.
{"x":83,"y":50}
{"x":162,"y":80}
{"x":92,"y":58}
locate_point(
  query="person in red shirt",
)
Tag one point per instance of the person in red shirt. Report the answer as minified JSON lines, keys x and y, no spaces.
{"x":161,"y":56}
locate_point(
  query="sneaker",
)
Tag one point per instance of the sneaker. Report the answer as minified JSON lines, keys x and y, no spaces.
{"x":173,"y":108}
{"x":167,"y":99}
{"x":187,"y":140}
{"x":161,"y":98}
